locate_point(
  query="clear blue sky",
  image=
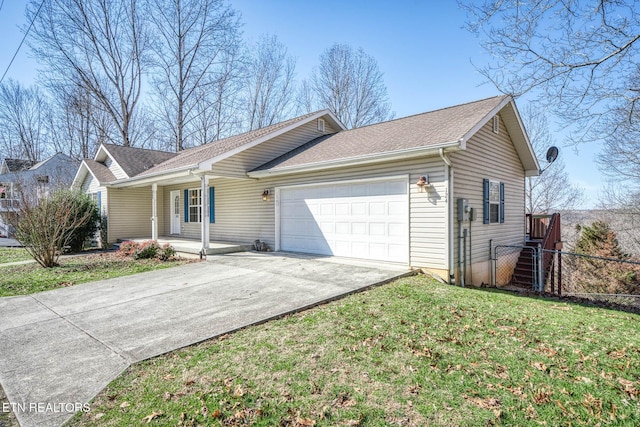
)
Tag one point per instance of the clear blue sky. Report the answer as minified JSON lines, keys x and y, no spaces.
{"x":425,"y":54}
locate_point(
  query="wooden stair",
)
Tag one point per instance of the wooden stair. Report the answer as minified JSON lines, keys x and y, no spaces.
{"x":525,"y":271}
{"x":544,"y":232}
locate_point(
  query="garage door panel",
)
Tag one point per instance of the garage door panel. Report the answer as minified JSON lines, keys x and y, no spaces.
{"x":378,"y":208}
{"x":377,"y":229}
{"x":378,"y":250}
{"x":397,"y":208}
{"x":342,"y":209}
{"x":358,"y":208}
{"x":361,"y":220}
{"x":397,"y":230}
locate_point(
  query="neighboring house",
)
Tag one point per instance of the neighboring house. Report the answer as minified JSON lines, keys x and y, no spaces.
{"x":22,"y":178}
{"x":381,"y":192}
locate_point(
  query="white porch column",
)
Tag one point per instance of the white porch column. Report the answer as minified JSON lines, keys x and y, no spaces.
{"x":154,"y":211}
{"x":204,"y":206}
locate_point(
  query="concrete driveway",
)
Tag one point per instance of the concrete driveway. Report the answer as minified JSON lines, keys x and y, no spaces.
{"x":6,"y":242}
{"x":60,"y":348}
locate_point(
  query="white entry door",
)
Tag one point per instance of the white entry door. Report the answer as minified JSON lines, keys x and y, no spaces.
{"x":367,"y":220}
{"x":175,"y":212}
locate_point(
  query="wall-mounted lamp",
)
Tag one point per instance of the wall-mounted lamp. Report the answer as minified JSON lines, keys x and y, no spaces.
{"x":423,"y":182}
{"x":265,"y":195}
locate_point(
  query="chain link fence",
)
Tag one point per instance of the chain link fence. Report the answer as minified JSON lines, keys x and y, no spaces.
{"x":514,"y":266}
{"x":608,"y":280}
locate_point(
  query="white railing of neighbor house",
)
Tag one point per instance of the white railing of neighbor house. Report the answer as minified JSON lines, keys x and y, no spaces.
{"x":8,"y":204}
{"x":4,"y":230}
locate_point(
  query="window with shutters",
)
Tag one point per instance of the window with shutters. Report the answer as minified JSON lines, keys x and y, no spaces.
{"x":195,"y":203}
{"x":493,"y":198}
{"x":494,"y":201}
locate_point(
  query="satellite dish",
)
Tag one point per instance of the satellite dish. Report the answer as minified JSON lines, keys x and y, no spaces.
{"x":552,"y":154}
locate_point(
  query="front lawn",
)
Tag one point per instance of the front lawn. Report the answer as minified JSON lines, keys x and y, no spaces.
{"x":30,"y":278}
{"x":13,"y":255}
{"x":411,"y":353}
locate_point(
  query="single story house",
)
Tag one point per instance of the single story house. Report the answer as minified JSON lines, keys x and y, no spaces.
{"x":386,"y":192}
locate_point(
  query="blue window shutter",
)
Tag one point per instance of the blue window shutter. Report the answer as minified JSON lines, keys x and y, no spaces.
{"x":212,"y":199}
{"x":99,"y":196}
{"x":502,"y":202}
{"x":186,"y":205}
{"x":485,"y":200}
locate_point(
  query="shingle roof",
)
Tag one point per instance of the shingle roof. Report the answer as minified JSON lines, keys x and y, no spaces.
{"x":210,"y":150}
{"x":421,"y":130}
{"x":100,"y":171}
{"x":18,"y":165}
{"x":137,"y":160}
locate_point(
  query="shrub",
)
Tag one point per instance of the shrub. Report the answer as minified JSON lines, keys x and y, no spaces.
{"x":46,"y":226}
{"x":147,"y":250}
{"x":128,"y":248}
{"x":81,"y":206}
{"x":103,"y":232}
{"x":167,"y":252}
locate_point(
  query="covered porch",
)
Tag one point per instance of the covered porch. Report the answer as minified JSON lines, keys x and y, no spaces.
{"x":193,"y":246}
{"x":178,"y":210}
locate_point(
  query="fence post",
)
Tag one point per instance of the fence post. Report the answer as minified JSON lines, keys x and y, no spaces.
{"x":560,"y":272}
{"x":492,"y":264}
{"x":540,"y":273}
{"x":553,"y":272}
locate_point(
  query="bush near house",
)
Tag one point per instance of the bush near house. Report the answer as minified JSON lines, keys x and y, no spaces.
{"x":45,"y":227}
{"x":147,"y":250}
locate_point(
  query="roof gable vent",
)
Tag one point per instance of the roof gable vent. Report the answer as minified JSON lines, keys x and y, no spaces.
{"x":321,"y":125}
{"x":496,"y":124}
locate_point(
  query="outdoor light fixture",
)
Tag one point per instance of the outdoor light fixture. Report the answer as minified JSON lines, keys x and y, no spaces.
{"x":265,"y":195}
{"x":423,"y":181}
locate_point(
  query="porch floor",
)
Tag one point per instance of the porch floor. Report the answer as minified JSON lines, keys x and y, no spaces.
{"x":189,"y":246}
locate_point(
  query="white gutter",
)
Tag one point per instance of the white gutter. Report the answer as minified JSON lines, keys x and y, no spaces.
{"x":353,"y":161}
{"x":150,"y":178}
{"x":449,"y":250}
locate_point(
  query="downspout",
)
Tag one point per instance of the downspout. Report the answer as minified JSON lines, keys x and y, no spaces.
{"x":449,"y":223}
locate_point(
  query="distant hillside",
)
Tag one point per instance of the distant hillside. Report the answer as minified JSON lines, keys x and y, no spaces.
{"x":625,"y":225}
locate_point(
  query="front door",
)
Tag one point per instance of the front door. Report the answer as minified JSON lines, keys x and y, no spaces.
{"x":175,"y":212}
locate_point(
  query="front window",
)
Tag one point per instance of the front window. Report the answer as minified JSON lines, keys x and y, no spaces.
{"x":494,"y":201}
{"x":195,"y":203}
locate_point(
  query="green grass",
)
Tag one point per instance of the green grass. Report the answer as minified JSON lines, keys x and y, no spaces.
{"x":13,"y":255}
{"x":31,"y":278}
{"x":413,"y":353}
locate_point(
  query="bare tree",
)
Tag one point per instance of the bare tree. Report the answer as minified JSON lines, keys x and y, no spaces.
{"x":552,"y":190}
{"x":350,"y":83}
{"x":77,"y":125}
{"x":270,"y":83}
{"x":579,"y":57}
{"x":100,"y":46}
{"x":23,"y":121}
{"x":194,"y":39}
{"x":305,"y":98}
{"x":619,"y":161}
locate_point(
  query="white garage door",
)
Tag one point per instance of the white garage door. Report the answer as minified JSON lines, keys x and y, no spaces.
{"x":367,"y":220}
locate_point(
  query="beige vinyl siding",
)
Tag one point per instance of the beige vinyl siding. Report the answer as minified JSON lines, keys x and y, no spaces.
{"x":493,"y":156}
{"x":190,"y":230}
{"x":90,"y":185}
{"x":115,"y":169}
{"x":239,"y":164}
{"x":241,"y":215}
{"x":130,"y":213}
